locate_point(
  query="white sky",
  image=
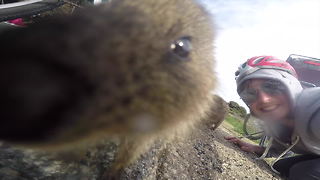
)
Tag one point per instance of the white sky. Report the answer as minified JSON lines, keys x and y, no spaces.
{"x":248,"y":28}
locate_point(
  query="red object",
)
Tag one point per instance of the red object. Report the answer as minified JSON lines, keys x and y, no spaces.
{"x":312,"y":62}
{"x":18,"y":22}
{"x":270,"y":61}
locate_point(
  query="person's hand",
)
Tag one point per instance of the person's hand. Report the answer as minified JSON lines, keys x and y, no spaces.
{"x":247,"y":147}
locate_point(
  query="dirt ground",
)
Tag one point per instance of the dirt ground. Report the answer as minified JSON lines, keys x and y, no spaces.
{"x":236,"y":164}
{"x":206,"y":155}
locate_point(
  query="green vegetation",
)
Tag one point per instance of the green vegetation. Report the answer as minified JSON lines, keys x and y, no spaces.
{"x":235,"y":123}
{"x":236,"y":117}
{"x":237,"y":126}
{"x":235,"y":108}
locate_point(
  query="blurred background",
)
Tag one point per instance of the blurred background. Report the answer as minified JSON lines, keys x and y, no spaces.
{"x":249,"y":28}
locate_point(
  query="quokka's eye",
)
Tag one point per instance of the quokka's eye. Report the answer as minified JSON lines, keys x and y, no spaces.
{"x":182,"y":47}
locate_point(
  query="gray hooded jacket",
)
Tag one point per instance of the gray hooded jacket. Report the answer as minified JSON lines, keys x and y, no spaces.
{"x":307,"y":119}
{"x":305,"y":105}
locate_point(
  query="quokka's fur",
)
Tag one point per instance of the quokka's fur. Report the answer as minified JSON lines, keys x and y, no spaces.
{"x":113,"y":70}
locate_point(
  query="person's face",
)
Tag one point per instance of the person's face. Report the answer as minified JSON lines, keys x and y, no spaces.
{"x":268,"y":105}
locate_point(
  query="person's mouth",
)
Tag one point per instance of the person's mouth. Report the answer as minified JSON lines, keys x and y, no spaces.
{"x":269,"y":108}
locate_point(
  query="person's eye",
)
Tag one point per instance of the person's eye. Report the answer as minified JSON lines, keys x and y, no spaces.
{"x":269,"y":87}
{"x":273,"y":88}
{"x":251,"y":92}
{"x":272,"y":85}
{"x":248,"y":95}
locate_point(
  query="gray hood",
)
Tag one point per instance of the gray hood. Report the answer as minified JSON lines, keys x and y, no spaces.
{"x":292,"y":84}
{"x":307,"y":118}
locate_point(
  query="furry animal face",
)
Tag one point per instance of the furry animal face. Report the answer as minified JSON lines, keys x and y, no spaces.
{"x":121,"y":68}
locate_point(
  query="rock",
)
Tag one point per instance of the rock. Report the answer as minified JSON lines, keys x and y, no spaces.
{"x":203,"y":155}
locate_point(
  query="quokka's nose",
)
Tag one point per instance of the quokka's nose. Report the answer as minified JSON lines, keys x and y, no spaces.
{"x":34,"y":98}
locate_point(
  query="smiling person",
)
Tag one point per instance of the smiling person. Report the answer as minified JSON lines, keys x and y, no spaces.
{"x":291,"y":115}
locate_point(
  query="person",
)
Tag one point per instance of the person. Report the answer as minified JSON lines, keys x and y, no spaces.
{"x":291,"y":115}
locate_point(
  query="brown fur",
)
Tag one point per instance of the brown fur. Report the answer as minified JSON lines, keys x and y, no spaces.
{"x":107,"y":71}
{"x":216,"y":113}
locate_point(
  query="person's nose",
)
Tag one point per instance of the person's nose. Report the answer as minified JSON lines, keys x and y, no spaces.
{"x":264,"y":97}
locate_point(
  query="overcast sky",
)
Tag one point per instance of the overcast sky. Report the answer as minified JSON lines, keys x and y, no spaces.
{"x":249,"y":28}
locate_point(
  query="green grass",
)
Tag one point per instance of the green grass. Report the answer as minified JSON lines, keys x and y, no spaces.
{"x":235,"y":123}
{"x":237,"y":126}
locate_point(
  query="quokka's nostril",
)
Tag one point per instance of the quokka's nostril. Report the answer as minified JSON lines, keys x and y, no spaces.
{"x":37,"y":97}
{"x":120,"y":82}
{"x":131,"y":61}
{"x":126,"y":101}
{"x":136,"y":77}
{"x":108,"y":109}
